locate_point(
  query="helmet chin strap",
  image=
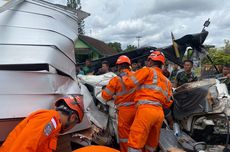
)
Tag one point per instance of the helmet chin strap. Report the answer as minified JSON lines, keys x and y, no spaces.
{"x":66,"y":126}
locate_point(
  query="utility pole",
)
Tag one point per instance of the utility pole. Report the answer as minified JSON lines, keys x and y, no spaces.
{"x":138,"y":41}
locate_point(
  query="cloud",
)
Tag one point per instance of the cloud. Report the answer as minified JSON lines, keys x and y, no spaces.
{"x":176,"y":7}
{"x":123,"y":20}
{"x":111,"y":6}
{"x":99,"y":22}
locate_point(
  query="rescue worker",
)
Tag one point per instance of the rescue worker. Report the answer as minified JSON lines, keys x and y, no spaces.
{"x":123,"y":99}
{"x":96,"y":149}
{"x":154,"y":93}
{"x":38,"y":132}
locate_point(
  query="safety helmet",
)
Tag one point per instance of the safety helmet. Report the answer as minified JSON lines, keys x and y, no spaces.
{"x":157,"y":56}
{"x":123,"y":59}
{"x":74,"y":102}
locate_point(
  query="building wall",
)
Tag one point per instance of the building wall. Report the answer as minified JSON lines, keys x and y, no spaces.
{"x":81,"y":56}
{"x":81,"y":45}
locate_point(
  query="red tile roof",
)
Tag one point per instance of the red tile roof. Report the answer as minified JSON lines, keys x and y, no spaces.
{"x":98,"y":45}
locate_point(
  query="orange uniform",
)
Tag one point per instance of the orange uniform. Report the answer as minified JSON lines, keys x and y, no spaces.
{"x":154,"y":92}
{"x":123,"y":97}
{"x":96,"y":149}
{"x":36,"y":133}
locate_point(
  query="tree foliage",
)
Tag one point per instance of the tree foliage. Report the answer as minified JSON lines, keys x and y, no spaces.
{"x":115,"y":45}
{"x":218,"y":56}
{"x":130,"y":47}
{"x":227,"y":46}
{"x":73,"y":4}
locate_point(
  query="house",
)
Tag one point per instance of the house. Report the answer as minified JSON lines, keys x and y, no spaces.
{"x":88,"y":47}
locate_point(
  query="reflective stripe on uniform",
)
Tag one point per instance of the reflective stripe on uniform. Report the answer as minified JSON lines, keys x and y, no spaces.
{"x":122,"y":84}
{"x":130,"y":149}
{"x":155,"y":87}
{"x":126,"y":92}
{"x":123,"y":140}
{"x":108,"y":91}
{"x":54,"y":122}
{"x":154,"y":77}
{"x":125,"y":104}
{"x":155,"y":103}
{"x":134,"y":79}
{"x":149,"y":148}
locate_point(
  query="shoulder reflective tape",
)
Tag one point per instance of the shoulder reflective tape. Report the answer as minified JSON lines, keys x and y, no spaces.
{"x":54,"y":122}
{"x":126,"y":92}
{"x":122,"y":84}
{"x":134,"y":79}
{"x":155,"y":103}
{"x":130,"y":149}
{"x":155,"y":77}
{"x":123,"y":140}
{"x":149,"y":148}
{"x":108,"y":91}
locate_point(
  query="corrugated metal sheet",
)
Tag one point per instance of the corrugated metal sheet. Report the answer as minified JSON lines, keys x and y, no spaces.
{"x":18,"y":54}
{"x":38,"y":23}
{"x":36,"y":33}
{"x":16,"y":82}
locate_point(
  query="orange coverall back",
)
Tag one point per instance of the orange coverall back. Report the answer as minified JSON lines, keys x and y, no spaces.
{"x":154,"y":92}
{"x":124,"y":100}
{"x":36,"y":133}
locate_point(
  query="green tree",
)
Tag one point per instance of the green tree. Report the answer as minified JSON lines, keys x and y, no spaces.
{"x":115,"y":45}
{"x":227,"y":46}
{"x":73,"y":4}
{"x":218,"y":56}
{"x":130,"y":47}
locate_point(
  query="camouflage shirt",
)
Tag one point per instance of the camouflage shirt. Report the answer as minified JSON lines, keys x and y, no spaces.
{"x":172,"y":77}
{"x":182,"y":78}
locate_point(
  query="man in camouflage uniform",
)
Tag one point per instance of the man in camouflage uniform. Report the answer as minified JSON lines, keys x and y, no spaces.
{"x":225,"y":73}
{"x":173,"y":74}
{"x":186,"y":75}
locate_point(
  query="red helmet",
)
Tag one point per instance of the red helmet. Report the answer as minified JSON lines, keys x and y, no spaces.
{"x":123,"y":59}
{"x":157,"y":56}
{"x":75,"y":103}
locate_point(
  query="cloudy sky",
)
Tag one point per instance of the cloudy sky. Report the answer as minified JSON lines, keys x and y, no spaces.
{"x":123,"y":20}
